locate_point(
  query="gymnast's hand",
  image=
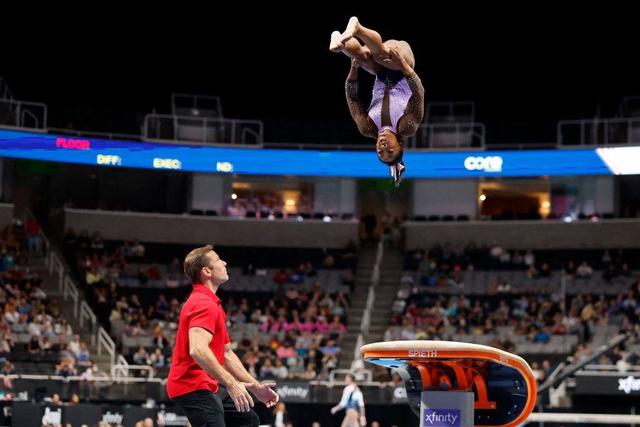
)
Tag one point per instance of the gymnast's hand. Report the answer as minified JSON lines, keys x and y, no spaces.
{"x":353,"y":71}
{"x":396,"y":61}
{"x":265,"y":394}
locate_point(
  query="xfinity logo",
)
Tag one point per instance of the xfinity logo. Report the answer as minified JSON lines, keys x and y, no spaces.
{"x":629,"y":384}
{"x":110,"y":418}
{"x":441,"y":417}
{"x":52,"y":417}
{"x":486,"y":164}
{"x":299,"y":392}
{"x":171,"y":419}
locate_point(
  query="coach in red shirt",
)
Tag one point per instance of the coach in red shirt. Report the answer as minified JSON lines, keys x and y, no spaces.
{"x":206,"y":377}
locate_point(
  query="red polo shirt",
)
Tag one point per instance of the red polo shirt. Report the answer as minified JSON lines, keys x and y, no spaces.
{"x":202,"y":309}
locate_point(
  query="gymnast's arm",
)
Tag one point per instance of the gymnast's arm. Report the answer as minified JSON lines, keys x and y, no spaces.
{"x":414,"y":112}
{"x":358,"y":113}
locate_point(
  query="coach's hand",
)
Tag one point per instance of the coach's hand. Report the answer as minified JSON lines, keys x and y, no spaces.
{"x":265,"y":394}
{"x":240,"y":396}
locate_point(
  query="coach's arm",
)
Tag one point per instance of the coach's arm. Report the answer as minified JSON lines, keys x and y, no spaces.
{"x":199,"y":339}
{"x":262,"y":391}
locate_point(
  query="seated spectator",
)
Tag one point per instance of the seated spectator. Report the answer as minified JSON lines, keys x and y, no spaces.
{"x":249,"y":270}
{"x":540,"y":336}
{"x":83,"y":356}
{"x":286,"y":350}
{"x":8,"y":368}
{"x":157,"y":359}
{"x":281,"y":277}
{"x":34,"y":345}
{"x":309,"y":269}
{"x":529,"y":258}
{"x":296,"y":367}
{"x":584,"y":270}
{"x":309,"y":373}
{"x":74,"y":399}
{"x":297,"y":276}
{"x":267,"y":370}
{"x":137,"y":249}
{"x":45,"y":344}
{"x":330,"y":348}
{"x":570,"y":269}
{"x":55,"y":399}
{"x":329,"y":262}
{"x":545,"y":270}
{"x":74,"y":345}
{"x":280,"y":371}
{"x":93,"y":276}
{"x":66,"y":368}
{"x":141,"y":357}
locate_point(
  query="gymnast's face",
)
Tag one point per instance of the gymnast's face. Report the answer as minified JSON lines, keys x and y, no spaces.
{"x":387,"y":146}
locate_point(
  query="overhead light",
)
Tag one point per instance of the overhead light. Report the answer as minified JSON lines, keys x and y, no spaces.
{"x":483,"y":197}
{"x":234,"y":196}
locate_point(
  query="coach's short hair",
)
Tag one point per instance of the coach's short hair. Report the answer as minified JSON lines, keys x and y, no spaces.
{"x":195,"y":261}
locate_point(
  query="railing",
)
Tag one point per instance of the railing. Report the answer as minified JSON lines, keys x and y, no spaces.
{"x":203,"y":130}
{"x":95,"y":134}
{"x":55,"y":265}
{"x":87,"y":314}
{"x":632,"y":369}
{"x":371,"y":299}
{"x":449,"y":136}
{"x":5,"y":93}
{"x":366,"y":319}
{"x":359,"y":343}
{"x":436,"y":112}
{"x":365,"y":376}
{"x":23,"y":114}
{"x":612,"y":131}
{"x":120,"y":371}
{"x":208,"y":106}
{"x":318,"y":146}
{"x":70,"y":291}
{"x":81,"y":310}
{"x":106,"y":344}
{"x":121,"y":368}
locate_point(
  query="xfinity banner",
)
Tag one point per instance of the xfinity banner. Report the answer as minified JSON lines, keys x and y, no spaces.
{"x":32,"y":414}
{"x":278,"y":162}
{"x":616,"y":385}
{"x":293,"y":391}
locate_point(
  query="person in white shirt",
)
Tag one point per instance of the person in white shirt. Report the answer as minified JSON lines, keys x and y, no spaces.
{"x":280,"y":417}
{"x":353,"y":403}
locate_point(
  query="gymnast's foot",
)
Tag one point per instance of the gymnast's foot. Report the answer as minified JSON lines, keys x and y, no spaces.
{"x":336,"y":45}
{"x":352,"y":28}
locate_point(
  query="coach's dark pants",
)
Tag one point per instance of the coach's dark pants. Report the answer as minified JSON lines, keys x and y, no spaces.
{"x":206,"y":409}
